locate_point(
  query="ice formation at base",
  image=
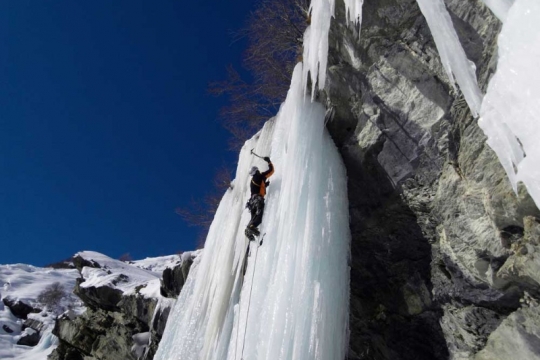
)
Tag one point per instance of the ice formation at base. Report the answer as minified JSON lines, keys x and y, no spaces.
{"x":511,"y":109}
{"x":453,"y":56}
{"x":292,"y":302}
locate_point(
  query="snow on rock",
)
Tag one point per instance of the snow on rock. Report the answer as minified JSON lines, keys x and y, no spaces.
{"x":24,"y":283}
{"x":510,"y":114}
{"x":292,"y":302}
{"x":159,"y":264}
{"x":119,"y":275}
{"x":453,"y":56}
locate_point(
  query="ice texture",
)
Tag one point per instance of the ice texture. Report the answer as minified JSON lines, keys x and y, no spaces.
{"x":292,"y":302}
{"x":315,"y":55}
{"x":354,"y":10}
{"x":510,"y":115}
{"x":499,"y":7}
{"x":452,"y":55}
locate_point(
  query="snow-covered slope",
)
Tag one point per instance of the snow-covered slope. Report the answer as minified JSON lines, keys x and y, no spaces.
{"x":292,"y":302}
{"x":24,"y":283}
{"x":116,"y":274}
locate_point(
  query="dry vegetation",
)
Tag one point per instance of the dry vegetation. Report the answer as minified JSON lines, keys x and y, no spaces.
{"x":274,"y":33}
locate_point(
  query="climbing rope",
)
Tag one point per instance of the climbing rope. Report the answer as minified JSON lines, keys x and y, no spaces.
{"x":249,"y":303}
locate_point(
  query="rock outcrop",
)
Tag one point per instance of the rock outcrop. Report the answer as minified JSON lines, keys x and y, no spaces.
{"x":114,"y":320}
{"x":443,"y":249}
{"x":19,"y":308}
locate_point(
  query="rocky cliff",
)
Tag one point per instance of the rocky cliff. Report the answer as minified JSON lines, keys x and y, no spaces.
{"x":444,"y":253}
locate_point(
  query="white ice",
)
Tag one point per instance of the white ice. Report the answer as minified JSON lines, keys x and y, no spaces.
{"x":510,"y":115}
{"x":315,"y":55}
{"x":499,"y":7}
{"x":452,"y":55}
{"x":293,"y":301}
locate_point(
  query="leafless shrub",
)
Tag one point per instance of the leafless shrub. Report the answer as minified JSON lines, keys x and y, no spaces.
{"x":275,"y":33}
{"x":52,"y":297}
{"x":125,"y":257}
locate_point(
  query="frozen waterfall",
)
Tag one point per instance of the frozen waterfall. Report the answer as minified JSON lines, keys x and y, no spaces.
{"x":292,"y":302}
{"x":510,"y":115}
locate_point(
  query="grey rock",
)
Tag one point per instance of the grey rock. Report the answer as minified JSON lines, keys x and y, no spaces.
{"x":174,"y":278}
{"x":29,"y":339}
{"x":442,"y":248}
{"x":518,"y":337}
{"x":19,"y":308}
{"x":33,"y":324}
{"x":7,"y":329}
{"x":102,"y":297}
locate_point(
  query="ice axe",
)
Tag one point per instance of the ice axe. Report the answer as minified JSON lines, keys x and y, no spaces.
{"x":252,"y":153}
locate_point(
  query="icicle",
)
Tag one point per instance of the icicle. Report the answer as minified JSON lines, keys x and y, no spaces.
{"x":452,"y":54}
{"x":354,"y":11}
{"x":315,"y":56}
{"x":510,"y":115}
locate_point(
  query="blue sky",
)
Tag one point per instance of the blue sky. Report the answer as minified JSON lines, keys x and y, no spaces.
{"x":106,"y":125}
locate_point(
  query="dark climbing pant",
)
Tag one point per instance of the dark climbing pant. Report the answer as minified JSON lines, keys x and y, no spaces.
{"x":256,"y":207}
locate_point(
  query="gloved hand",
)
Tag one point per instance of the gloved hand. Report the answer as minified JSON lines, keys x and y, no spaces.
{"x":267,"y":183}
{"x":267,"y":159}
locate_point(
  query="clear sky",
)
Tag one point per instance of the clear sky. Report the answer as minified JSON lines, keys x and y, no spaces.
{"x":106,"y":125}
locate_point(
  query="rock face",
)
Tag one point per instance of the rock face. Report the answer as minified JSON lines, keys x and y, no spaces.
{"x":113,"y":320}
{"x":442,"y":248}
{"x":175,"y":278}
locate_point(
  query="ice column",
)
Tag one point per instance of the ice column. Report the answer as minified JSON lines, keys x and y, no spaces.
{"x":510,"y":115}
{"x":297,"y":292}
{"x":452,"y":54}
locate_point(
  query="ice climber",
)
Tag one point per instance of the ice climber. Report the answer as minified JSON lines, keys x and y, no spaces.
{"x":259,"y":183}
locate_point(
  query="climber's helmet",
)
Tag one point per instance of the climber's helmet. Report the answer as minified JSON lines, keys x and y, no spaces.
{"x":253,"y":170}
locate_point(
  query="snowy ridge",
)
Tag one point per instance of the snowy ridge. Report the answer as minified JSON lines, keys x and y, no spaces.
{"x":158,"y":264}
{"x":510,"y":115}
{"x":298,"y":299}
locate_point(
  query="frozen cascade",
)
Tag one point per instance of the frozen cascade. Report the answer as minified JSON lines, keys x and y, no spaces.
{"x":499,"y":7}
{"x":453,"y":56}
{"x":298,"y":298}
{"x":315,"y":56}
{"x":510,"y":115}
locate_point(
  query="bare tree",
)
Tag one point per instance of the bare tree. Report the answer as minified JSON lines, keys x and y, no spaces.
{"x":52,"y":296}
{"x":275,"y":34}
{"x":125,"y":257}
